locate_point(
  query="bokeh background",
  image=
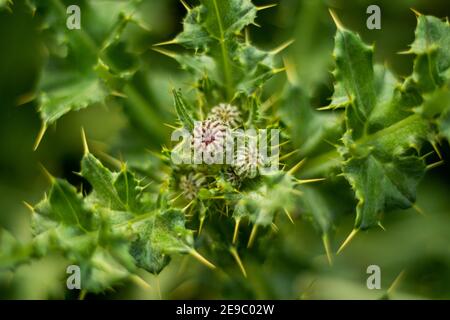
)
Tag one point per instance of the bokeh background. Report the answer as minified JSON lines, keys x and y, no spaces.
{"x":293,"y":267}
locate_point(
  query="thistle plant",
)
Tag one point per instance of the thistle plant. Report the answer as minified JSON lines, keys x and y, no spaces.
{"x":373,"y":138}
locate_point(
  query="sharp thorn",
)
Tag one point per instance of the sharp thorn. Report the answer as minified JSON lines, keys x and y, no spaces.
{"x":274,"y":227}
{"x":417,"y":13}
{"x":236,"y":230}
{"x":40,"y":136}
{"x":282,"y":144}
{"x":418,"y":209}
{"x":46,"y":173}
{"x":305,"y":181}
{"x":140,"y":282}
{"x":327,"y":246}
{"x":396,"y":282}
{"x":82,"y":295}
{"x":434,"y":165}
{"x":176,"y":197}
{"x":435,"y":147}
{"x":295,"y":168}
{"x":29,"y":206}
{"x":268,"y":6}
{"x":201,"y":259}
{"x":168,"y":53}
{"x":289,"y":216}
{"x":77,"y":173}
{"x":278,"y":70}
{"x":405,"y":52}
{"x":296,"y":192}
{"x":185,"y":5}
{"x":25,"y":98}
{"x":200,"y":227}
{"x":426,"y":155}
{"x":251,"y":240}
{"x":188,"y":205}
{"x":282,"y":47}
{"x":119,"y":94}
{"x":170,"y":126}
{"x":347,"y":241}
{"x":288,"y":155}
{"x":165,"y":43}
{"x":381,"y":226}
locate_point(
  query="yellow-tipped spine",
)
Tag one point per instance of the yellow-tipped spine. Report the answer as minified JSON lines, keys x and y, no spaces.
{"x":347,"y":240}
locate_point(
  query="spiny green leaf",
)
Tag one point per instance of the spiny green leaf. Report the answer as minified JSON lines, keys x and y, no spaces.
{"x":226,"y":18}
{"x":379,"y":170}
{"x":273,"y":195}
{"x":383,"y":135}
{"x":194,"y":35}
{"x":433,"y":34}
{"x":212,"y":29}
{"x":255,"y":67}
{"x":382,"y":184}
{"x":436,"y":108}
{"x":109,"y":232}
{"x":160,"y":236}
{"x":354,"y":70}
{"x":183,"y":110}
{"x":74,"y":95}
{"x":431,"y":47}
{"x":390,"y":107}
{"x":66,"y":206}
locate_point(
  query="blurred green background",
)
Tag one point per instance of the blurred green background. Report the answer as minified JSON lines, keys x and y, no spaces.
{"x":293,"y":266}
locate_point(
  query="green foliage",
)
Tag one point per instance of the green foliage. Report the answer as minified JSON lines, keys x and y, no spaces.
{"x":85,"y":66}
{"x":108,"y":232}
{"x":384,"y":136}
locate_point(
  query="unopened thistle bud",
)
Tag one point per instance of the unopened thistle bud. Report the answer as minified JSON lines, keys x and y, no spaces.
{"x":190,"y":184}
{"x":209,"y":140}
{"x":227,"y":114}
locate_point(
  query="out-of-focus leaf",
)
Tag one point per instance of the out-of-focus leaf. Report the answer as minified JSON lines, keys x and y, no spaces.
{"x":12,"y":253}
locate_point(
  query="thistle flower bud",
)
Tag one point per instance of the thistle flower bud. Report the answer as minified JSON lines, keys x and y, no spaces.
{"x":190,"y":184}
{"x":209,"y":140}
{"x":227,"y":114}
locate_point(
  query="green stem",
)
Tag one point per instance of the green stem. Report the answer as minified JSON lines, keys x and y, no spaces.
{"x":226,"y":65}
